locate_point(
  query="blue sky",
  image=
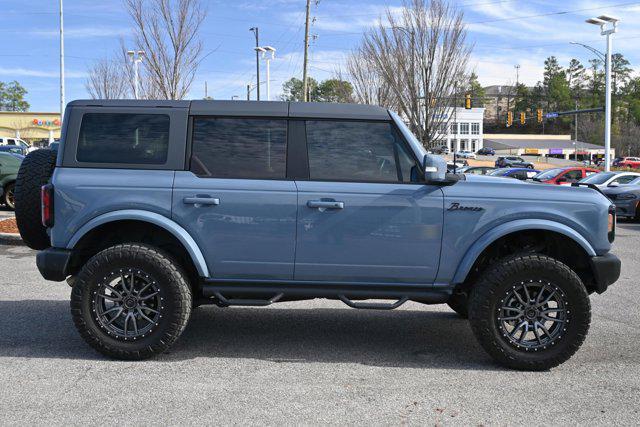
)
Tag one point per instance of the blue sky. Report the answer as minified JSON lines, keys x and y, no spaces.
{"x":502,"y":38}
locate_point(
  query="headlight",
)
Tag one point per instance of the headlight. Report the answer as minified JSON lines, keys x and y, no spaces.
{"x":626,"y":196}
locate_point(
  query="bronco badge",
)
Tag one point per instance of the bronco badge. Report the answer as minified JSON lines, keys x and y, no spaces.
{"x":457,"y":207}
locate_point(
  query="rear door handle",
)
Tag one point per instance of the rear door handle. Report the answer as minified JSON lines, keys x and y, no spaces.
{"x":201,"y":201}
{"x":325,"y":204}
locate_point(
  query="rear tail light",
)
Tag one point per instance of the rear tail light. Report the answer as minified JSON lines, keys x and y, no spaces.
{"x":46,"y":199}
{"x":612,"y":223}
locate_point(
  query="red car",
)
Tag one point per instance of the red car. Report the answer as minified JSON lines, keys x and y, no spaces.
{"x":630,"y":162}
{"x":564,"y":176}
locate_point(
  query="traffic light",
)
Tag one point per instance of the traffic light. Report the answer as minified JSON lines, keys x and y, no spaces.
{"x":539,"y":115}
{"x":523,"y":118}
{"x":509,"y":119}
{"x":467,"y":101}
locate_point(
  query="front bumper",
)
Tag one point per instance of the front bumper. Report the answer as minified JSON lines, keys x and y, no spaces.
{"x":606,"y":270}
{"x":53,"y":263}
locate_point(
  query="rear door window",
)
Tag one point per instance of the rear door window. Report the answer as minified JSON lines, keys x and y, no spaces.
{"x":123,"y":138}
{"x":239,"y":148}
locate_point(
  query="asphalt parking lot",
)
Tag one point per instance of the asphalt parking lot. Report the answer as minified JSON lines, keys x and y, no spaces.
{"x":312,"y":362}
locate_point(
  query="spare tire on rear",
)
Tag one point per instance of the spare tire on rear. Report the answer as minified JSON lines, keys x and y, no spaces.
{"x":35,"y":171}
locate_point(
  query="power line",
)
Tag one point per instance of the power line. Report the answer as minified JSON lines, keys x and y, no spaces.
{"x":563,"y":12}
{"x":513,"y":18}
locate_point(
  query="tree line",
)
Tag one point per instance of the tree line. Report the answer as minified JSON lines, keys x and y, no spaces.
{"x":582,"y":86}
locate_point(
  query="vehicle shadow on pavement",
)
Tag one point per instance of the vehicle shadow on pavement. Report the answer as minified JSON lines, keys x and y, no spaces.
{"x":401,"y":338}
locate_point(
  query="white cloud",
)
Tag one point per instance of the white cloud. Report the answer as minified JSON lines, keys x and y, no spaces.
{"x":82,"y":32}
{"x":27,"y":72}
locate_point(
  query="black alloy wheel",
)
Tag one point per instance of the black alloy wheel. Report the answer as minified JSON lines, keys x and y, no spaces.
{"x":533,"y":315}
{"x":128,"y":304}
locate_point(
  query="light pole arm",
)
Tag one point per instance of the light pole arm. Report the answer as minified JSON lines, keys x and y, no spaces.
{"x":601,"y":55}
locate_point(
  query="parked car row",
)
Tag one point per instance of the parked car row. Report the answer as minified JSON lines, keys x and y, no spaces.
{"x":11,"y":156}
{"x":622,"y":188}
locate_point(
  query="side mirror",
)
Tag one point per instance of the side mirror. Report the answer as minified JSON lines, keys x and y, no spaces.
{"x":563,"y":179}
{"x":614,"y":184}
{"x":434,"y":168}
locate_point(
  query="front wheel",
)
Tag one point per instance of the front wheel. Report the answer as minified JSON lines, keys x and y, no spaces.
{"x":131,"y":302}
{"x":530,"y":312}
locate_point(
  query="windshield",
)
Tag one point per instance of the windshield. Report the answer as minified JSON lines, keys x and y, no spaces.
{"x":417,"y":147}
{"x":598,"y":178}
{"x":548,"y":174}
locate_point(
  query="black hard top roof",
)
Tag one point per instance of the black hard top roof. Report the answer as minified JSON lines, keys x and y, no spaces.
{"x":320,"y":110}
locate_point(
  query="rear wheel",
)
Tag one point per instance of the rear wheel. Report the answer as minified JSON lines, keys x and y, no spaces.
{"x":131,"y":302}
{"x":530,"y":312}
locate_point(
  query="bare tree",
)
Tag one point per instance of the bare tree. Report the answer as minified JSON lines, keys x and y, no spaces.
{"x":368,"y":86}
{"x":108,"y":79}
{"x":167,"y":30}
{"x":421,"y":57}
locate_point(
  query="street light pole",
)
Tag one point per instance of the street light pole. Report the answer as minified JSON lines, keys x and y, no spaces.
{"x":62,"y":103}
{"x":607,"y":108}
{"x":602,"y":22}
{"x":268,"y":59}
{"x":136,"y":62}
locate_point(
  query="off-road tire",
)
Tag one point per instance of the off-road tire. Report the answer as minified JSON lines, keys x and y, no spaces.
{"x":485,"y":302}
{"x":171,"y":281}
{"x":8,"y":197}
{"x":35,"y":171}
{"x":459,"y":302}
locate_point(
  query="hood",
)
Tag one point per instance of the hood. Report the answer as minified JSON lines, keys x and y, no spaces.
{"x":621,"y":189}
{"x":514,"y":188}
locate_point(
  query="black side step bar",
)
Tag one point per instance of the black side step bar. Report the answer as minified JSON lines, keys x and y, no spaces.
{"x":373,"y":305}
{"x":263,"y":293}
{"x":247,"y":301}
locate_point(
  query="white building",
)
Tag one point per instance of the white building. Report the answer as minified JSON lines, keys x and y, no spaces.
{"x":464,"y":130}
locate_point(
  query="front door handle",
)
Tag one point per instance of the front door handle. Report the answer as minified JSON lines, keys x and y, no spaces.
{"x":201,"y":201}
{"x":325,"y":204}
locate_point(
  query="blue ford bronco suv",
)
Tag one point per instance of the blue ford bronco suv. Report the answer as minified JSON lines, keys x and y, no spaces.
{"x":152,"y":208}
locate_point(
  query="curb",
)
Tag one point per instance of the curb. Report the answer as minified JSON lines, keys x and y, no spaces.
{"x":11,"y":239}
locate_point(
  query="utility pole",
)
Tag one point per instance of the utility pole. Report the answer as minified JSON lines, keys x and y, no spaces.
{"x":257,"y":34}
{"x":206,"y":92}
{"x":575,"y":125}
{"x":248,"y":92}
{"x":62,"y":103}
{"x":306,"y":55}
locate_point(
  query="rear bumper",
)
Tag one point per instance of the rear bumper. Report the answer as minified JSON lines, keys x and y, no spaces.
{"x":53,"y":263}
{"x":606,"y":270}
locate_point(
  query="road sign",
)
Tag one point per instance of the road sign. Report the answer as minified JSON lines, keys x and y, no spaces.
{"x":551,"y":115}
